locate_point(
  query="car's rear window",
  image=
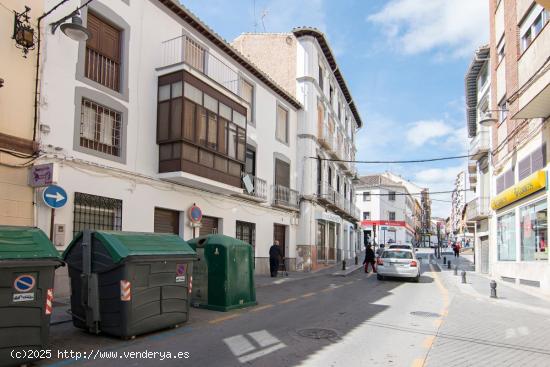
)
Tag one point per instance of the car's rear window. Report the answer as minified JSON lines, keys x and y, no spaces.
{"x":397,"y":255}
{"x":405,"y":247}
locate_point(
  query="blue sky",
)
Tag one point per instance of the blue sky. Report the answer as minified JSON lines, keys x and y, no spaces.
{"x":404,"y":61}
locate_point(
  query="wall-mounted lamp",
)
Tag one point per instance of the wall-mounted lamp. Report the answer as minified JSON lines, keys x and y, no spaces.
{"x":74,"y":30}
{"x":23,"y":33}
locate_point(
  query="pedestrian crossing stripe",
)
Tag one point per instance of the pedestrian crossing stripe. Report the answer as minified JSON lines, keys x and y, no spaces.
{"x":125,"y":290}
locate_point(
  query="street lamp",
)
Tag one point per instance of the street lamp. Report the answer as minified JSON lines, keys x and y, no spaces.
{"x":74,"y":30}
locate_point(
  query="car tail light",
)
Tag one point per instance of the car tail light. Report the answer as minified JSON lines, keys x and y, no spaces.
{"x":413,"y":264}
{"x":379,"y":261}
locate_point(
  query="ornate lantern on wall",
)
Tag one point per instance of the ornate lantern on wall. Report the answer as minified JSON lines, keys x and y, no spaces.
{"x":23,"y":33}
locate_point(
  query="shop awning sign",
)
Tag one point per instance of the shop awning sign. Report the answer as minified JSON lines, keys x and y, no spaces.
{"x":524,"y":188}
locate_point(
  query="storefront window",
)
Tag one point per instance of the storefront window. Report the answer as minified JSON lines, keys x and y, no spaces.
{"x":506,"y":237}
{"x":533,"y":227}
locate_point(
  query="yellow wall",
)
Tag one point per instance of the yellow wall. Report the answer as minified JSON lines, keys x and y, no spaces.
{"x":16,"y":113}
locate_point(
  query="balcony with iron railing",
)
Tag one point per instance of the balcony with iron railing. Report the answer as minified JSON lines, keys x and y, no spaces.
{"x":479,"y":145}
{"x":477,"y":208}
{"x":324,"y":136}
{"x":331,"y":197}
{"x":185,"y":49}
{"x":257,"y":190}
{"x":285,"y":197}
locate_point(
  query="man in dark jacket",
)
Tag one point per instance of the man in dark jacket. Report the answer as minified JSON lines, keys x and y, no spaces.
{"x":274,"y":257}
{"x":369,"y":259}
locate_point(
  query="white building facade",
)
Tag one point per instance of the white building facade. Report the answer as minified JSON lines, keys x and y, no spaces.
{"x":155,"y":114}
{"x":387,"y":210}
{"x":303,"y":63}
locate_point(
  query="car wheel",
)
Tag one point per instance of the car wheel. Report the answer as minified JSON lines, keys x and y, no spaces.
{"x":416,"y":279}
{"x":379,"y":277}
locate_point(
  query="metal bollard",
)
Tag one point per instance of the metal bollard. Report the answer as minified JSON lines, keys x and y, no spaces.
{"x":356,"y":260}
{"x":456,"y":270}
{"x":444,"y":260}
{"x":493,"y":286}
{"x":449,"y":264}
{"x":463,"y":274}
{"x":343,"y":264}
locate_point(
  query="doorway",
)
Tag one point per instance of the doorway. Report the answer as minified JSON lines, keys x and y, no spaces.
{"x":279,"y":234}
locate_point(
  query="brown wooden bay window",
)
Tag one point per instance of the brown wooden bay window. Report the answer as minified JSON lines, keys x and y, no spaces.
{"x":199,"y":130}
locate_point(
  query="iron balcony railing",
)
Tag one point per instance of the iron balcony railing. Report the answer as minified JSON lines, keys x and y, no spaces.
{"x":102,"y":69}
{"x":284,"y":196}
{"x":259,"y":187}
{"x":477,"y":208}
{"x":185,"y":49}
{"x":479,"y":145}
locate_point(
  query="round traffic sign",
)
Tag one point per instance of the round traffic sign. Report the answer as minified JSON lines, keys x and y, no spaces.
{"x":195,"y":214}
{"x":24,"y":283}
{"x":54,"y":196}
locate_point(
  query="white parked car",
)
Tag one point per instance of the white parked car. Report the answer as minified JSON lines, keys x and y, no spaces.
{"x":405,"y":246}
{"x":401,"y":263}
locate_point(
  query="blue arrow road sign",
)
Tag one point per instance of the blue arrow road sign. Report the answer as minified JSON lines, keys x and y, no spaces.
{"x":54,"y":196}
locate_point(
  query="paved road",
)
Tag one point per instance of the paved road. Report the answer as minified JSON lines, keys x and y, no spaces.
{"x":321,"y":321}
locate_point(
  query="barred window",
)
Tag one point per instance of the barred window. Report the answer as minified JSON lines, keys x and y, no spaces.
{"x":96,"y":213}
{"x":100,"y":128}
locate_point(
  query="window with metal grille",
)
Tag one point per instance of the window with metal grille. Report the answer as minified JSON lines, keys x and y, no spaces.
{"x":246,"y":232}
{"x":100,"y":128}
{"x":96,"y":213}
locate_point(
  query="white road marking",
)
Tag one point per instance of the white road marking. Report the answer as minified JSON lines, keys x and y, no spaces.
{"x":261,"y":353}
{"x":263,"y":338}
{"x":239,"y":345}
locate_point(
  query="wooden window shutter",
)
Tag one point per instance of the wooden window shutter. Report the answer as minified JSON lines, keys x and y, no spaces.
{"x":105,"y":38}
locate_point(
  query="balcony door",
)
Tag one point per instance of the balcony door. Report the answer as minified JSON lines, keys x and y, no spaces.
{"x":250,"y":162}
{"x":282,"y":173}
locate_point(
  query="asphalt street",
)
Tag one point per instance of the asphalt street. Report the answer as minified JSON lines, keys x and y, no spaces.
{"x":319,"y":321}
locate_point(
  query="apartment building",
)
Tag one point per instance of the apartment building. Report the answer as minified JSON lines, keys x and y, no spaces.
{"x":478,"y":104}
{"x":17,"y":127}
{"x":387,"y":209}
{"x":304,"y":64}
{"x":154,"y":115}
{"x":520,"y":100}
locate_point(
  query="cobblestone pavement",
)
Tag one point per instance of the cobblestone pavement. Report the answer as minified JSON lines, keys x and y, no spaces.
{"x":479,"y":331}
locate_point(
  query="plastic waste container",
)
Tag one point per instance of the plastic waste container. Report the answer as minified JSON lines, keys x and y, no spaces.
{"x":27,"y":266}
{"x":223,"y":276}
{"x":129,"y":283}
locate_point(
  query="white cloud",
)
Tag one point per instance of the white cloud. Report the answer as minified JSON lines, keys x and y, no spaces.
{"x":422,"y":132}
{"x":450,"y":27}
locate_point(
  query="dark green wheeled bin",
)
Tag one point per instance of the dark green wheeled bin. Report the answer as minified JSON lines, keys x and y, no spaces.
{"x":223,"y":276}
{"x":129,"y":283}
{"x":27,"y":266}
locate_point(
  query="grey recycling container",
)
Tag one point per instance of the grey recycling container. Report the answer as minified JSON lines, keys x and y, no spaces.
{"x":129,"y":283}
{"x":27,"y":265}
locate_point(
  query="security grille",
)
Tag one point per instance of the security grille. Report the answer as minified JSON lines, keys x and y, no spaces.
{"x":100,"y":128}
{"x":96,"y":212}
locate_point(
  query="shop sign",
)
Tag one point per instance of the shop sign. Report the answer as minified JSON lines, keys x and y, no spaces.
{"x":328,"y":217}
{"x":526,"y":187}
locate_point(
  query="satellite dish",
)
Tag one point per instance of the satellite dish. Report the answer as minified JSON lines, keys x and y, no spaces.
{"x":248,"y":185}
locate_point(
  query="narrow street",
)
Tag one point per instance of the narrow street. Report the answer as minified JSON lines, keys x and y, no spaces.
{"x":323,"y":320}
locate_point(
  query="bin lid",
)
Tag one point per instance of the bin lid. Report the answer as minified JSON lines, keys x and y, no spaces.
{"x":121,"y":245}
{"x":19,"y":243}
{"x":216,"y":239}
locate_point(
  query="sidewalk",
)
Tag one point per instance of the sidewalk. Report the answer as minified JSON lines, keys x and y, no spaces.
{"x":511,"y":330}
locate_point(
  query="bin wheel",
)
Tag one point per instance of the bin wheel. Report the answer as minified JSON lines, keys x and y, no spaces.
{"x":176,"y":326}
{"x":128,"y":337}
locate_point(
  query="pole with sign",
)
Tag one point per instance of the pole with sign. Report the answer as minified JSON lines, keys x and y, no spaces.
{"x":55,"y":197}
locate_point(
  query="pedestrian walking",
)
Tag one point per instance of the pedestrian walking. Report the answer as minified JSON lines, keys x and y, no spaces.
{"x":274,"y":257}
{"x":369,"y":259}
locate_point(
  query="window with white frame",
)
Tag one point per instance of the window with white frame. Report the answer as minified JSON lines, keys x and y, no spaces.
{"x":100,"y":128}
{"x":366,"y":215}
{"x":532,"y":24}
{"x":247,"y":92}
{"x":502,"y":110}
{"x":281,"y":132}
{"x":366,"y":196}
{"x":391,"y":215}
{"x":500,"y":50}
{"x":321,"y":73}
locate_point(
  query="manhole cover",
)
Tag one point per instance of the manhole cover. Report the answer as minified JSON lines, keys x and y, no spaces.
{"x":424,"y":314}
{"x":318,"y":333}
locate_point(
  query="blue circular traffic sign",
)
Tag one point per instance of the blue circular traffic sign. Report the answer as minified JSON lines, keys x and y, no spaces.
{"x":54,"y":196}
{"x":195,"y":214}
{"x":24,"y":283}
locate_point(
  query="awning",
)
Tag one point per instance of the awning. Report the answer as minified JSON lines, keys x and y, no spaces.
{"x":524,"y":188}
{"x":480,"y":58}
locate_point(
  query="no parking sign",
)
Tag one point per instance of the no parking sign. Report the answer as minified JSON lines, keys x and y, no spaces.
{"x":24,"y":283}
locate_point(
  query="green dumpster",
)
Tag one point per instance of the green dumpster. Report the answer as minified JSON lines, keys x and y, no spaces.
{"x":27,"y":265}
{"x":223,"y":276}
{"x":129,"y":283}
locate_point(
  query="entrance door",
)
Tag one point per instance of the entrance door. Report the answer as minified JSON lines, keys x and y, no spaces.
{"x":331,"y":241}
{"x":321,"y":242}
{"x":279,"y":235}
{"x":209,"y":225}
{"x":167,"y":221}
{"x":484,"y":254}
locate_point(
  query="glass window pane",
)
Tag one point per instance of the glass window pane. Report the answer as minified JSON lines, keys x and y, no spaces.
{"x":211,"y":103}
{"x":234,"y":169}
{"x":239,"y":119}
{"x":506,"y":237}
{"x":533,"y":229}
{"x":190,"y":153}
{"x":189,"y":120}
{"x":176,"y":89}
{"x":222,"y":136}
{"x":248,"y":96}
{"x":164,"y":112}
{"x":225,"y":111}
{"x":232,"y":141}
{"x":220,"y":163}
{"x":175,"y":125}
{"x":241,"y":143}
{"x":212,"y":130}
{"x":193,"y":93}
{"x":201,"y":125}
{"x":164,"y":92}
{"x":281,"y":128}
{"x":206,"y":158}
